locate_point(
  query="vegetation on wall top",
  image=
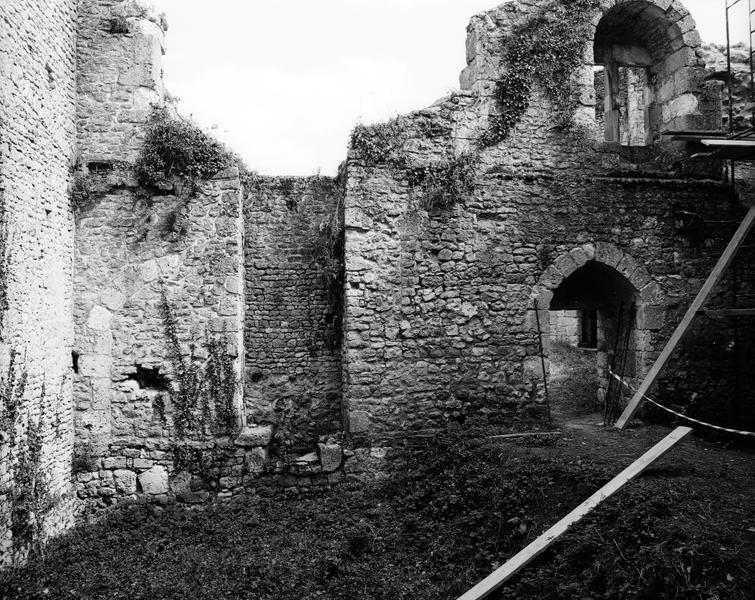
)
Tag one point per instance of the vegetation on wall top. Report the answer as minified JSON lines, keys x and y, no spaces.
{"x":546,"y":49}
{"x":176,"y":147}
{"x":441,"y":184}
{"x":378,"y":143}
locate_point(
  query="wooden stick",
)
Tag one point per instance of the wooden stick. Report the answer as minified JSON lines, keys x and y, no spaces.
{"x":507,"y":436}
{"x":681,"y":331}
{"x":547,"y":539}
{"x":542,"y":363}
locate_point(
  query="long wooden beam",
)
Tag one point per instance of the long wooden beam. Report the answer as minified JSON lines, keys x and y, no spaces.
{"x":681,"y":330}
{"x":488,"y":585}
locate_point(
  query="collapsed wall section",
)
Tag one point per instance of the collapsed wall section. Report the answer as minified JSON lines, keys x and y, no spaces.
{"x":293,"y":307}
{"x":37,"y":136}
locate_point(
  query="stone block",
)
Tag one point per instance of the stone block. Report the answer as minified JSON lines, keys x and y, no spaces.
{"x":256,"y":459}
{"x":331,"y":457}
{"x":359,"y":421}
{"x":651,"y":317}
{"x":125,"y":481}
{"x":142,"y":463}
{"x":154,"y":481}
{"x":95,"y":365}
{"x":113,"y":300}
{"x":255,"y":436}
{"x":99,"y":318}
{"x":114,"y":462}
{"x":101,"y":392}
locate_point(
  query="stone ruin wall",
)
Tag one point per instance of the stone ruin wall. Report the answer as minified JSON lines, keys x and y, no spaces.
{"x":37,"y":133}
{"x":292,"y":335}
{"x":128,"y":261}
{"x":439,"y":304}
{"x":129,"y":256}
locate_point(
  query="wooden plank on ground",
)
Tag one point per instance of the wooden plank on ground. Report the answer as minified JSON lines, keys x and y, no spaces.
{"x":488,"y":585}
{"x":681,"y":330}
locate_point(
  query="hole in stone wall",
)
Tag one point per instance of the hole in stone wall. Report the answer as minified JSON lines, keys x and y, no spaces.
{"x":99,"y":166}
{"x":75,"y":361}
{"x":149,"y":378}
{"x":256,"y":376}
{"x":117,"y":26}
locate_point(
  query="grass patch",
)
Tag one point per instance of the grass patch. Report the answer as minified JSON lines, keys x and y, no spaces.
{"x":449,"y":513}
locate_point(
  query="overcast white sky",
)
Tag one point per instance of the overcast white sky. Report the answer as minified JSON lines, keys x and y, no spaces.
{"x":283,"y":82}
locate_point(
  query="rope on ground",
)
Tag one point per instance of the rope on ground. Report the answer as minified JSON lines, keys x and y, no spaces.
{"x":678,"y":414}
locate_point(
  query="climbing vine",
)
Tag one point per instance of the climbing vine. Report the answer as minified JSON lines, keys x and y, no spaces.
{"x":4,"y":260}
{"x":12,"y":390}
{"x":546,"y":50}
{"x":31,"y":497}
{"x":202,"y":395}
{"x":329,"y":252}
{"x":30,"y":494}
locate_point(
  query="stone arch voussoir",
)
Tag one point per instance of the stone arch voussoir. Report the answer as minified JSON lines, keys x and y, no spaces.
{"x":651,"y":302}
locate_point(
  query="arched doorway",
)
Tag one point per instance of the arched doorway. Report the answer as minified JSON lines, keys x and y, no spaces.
{"x":602,"y":309}
{"x":603,"y":304}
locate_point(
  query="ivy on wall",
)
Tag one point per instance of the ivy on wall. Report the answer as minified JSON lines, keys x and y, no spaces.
{"x":30,"y":494}
{"x":328,"y":252}
{"x":202,"y":395}
{"x":547,"y":49}
{"x":12,"y":390}
{"x":31,"y":497}
{"x":4,"y":260}
{"x":176,"y":147}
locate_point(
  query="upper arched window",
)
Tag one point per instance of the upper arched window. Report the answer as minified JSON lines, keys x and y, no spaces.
{"x":644,"y":73}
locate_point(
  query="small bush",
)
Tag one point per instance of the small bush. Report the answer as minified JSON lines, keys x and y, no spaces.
{"x":443,"y":185}
{"x":118,"y":26}
{"x":376,"y":143}
{"x":83,"y":193}
{"x":178,"y":148}
{"x":84,"y":459}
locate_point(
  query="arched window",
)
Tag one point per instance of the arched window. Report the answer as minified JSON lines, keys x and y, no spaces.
{"x":646,"y":73}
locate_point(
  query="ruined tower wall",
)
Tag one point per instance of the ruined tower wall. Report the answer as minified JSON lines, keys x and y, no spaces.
{"x":145,"y":257}
{"x":37,"y":136}
{"x":292,"y":335}
{"x":120,"y":45}
{"x":147,"y":426}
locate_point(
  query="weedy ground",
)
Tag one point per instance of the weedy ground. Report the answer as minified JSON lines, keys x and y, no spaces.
{"x":445,"y":516}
